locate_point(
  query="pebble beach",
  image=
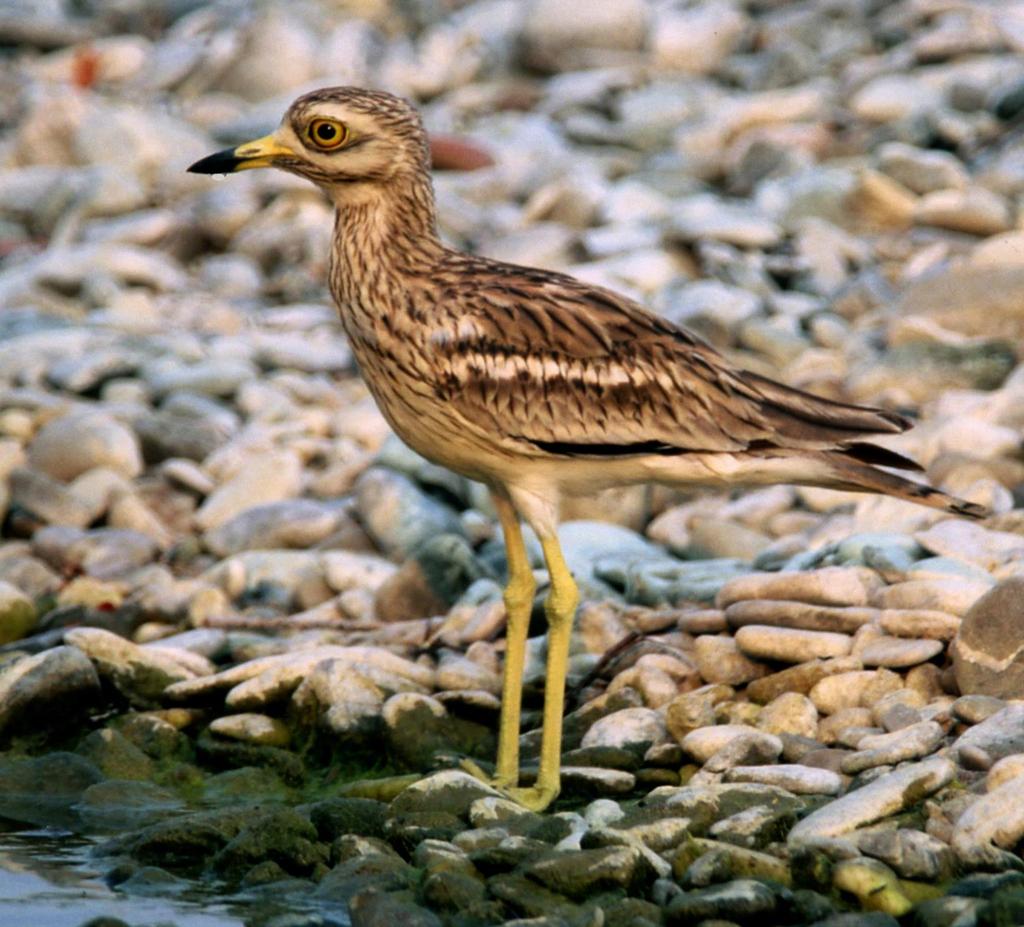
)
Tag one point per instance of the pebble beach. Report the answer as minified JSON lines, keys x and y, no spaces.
{"x":246,"y":635}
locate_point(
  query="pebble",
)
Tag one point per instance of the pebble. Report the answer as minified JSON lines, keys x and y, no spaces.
{"x":990,"y":826}
{"x":828,"y":586}
{"x":705,"y":742}
{"x":885,"y":796}
{"x":899,"y":653}
{"x":909,"y":743}
{"x":141,"y":674}
{"x":856,"y":689}
{"x":790,"y":645}
{"x":253,"y":729}
{"x":793,"y":777}
{"x":999,"y":735}
{"x":720,"y":660}
{"x":799,"y":615}
{"x":262,"y":479}
{"x":987,"y":650}
{"x":69,"y":446}
{"x":636,"y":729}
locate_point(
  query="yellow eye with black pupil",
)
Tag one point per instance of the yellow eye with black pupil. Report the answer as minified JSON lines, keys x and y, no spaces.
{"x":326,"y":133}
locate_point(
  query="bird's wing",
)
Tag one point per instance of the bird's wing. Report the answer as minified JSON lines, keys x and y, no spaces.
{"x":576,"y":369}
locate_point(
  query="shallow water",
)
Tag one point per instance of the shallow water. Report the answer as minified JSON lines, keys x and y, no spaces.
{"x":47,"y":879}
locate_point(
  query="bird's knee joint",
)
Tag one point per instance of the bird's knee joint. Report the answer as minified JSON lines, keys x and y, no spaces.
{"x":561,"y":603}
{"x":518,"y":595}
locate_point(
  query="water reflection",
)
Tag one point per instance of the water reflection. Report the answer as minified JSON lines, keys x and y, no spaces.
{"x":47,"y":880}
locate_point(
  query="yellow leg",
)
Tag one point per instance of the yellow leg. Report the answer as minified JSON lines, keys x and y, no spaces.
{"x":561,"y":609}
{"x":518,"y":605}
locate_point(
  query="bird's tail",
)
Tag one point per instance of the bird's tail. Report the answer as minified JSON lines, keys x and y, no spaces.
{"x":855,"y":469}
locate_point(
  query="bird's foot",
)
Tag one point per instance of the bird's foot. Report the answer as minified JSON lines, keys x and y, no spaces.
{"x":534,"y":798}
{"x":501,"y":783}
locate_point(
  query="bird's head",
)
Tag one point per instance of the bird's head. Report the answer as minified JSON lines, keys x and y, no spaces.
{"x":338,"y":137}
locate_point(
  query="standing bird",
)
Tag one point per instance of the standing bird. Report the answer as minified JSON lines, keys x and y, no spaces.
{"x":537,"y":384}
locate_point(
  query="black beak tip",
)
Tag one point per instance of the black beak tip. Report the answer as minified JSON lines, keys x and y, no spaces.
{"x":220,"y":162}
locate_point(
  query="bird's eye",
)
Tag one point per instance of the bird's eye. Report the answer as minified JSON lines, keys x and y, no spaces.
{"x":326,"y":133}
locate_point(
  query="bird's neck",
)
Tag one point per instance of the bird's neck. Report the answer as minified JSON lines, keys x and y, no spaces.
{"x":384,"y":229}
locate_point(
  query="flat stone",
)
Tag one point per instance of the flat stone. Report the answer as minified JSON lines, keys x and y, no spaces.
{"x":582,"y":873}
{"x":790,"y":645}
{"x":953,"y":596}
{"x":899,"y":652}
{"x":974,"y":709}
{"x":999,"y":735}
{"x":908,"y":743}
{"x":911,"y":854}
{"x":142,"y":674}
{"x":739,"y":899}
{"x":635,"y":729}
{"x":974,"y":543}
{"x":919,"y":623}
{"x":887,"y":795}
{"x":691,"y":710}
{"x":289,"y":523}
{"x":799,"y":615}
{"x":705,"y":742}
{"x":827,"y":586}
{"x":596,"y":781}
{"x":793,"y":777}
{"x":992,"y":826}
{"x":48,"y":499}
{"x":252,"y":728}
{"x":988,"y":652}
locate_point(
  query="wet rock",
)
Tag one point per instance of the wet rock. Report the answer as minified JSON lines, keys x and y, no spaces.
{"x":740,"y":899}
{"x":124,"y":804}
{"x":45,"y":789}
{"x":115,"y":755}
{"x":582,"y":873}
{"x":281,"y":835}
{"x":417,"y":726}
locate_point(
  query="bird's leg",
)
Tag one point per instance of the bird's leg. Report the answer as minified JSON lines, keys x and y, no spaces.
{"x":561,"y":609}
{"x":518,"y":605}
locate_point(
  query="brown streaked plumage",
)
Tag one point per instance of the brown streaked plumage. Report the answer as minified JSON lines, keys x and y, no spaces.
{"x":537,"y":384}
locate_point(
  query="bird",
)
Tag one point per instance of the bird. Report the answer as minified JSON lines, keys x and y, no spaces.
{"x":540,"y":385}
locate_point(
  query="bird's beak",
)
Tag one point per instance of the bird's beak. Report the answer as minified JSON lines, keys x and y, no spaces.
{"x":260,"y":153}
